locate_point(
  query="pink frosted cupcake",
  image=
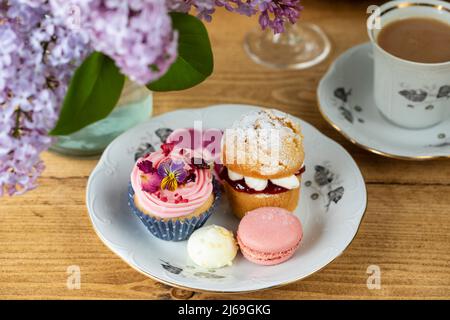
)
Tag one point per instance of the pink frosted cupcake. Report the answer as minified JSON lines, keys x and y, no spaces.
{"x":172,"y":191}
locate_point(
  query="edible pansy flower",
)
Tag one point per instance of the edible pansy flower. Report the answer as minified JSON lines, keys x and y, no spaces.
{"x":172,"y":174}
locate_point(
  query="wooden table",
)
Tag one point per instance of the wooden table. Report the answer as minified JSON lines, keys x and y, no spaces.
{"x":406,"y":229}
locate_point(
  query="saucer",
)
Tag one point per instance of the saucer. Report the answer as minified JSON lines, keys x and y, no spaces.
{"x":332,"y":204}
{"x":346,"y":101}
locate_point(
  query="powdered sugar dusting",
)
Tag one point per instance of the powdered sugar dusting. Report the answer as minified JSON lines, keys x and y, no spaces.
{"x":260,"y":137}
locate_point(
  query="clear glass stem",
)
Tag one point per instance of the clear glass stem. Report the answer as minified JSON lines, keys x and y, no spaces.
{"x":301,"y":46}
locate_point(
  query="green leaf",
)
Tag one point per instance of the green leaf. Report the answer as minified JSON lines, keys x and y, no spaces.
{"x":195,"y":59}
{"x":93,"y":92}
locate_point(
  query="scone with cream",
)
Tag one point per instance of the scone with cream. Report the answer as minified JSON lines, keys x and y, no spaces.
{"x":263,"y":156}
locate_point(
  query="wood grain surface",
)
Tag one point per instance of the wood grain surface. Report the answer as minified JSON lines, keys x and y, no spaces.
{"x":406,"y":229}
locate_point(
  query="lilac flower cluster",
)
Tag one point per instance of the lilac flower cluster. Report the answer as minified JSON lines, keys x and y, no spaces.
{"x":136,"y":34}
{"x":282,"y":11}
{"x":38,"y":56}
{"x":272,"y":13}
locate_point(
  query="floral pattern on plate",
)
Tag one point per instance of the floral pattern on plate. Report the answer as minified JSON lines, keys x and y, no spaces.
{"x":326,"y":185}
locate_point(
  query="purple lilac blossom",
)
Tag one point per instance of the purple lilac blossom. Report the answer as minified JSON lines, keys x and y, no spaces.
{"x":39,"y":55}
{"x":136,"y":34}
{"x":272,"y":13}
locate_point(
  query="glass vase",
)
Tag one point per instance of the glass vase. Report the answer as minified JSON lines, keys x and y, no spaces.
{"x":134,"y":106}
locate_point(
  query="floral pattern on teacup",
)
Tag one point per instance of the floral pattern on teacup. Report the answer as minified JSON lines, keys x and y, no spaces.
{"x":427,"y":95}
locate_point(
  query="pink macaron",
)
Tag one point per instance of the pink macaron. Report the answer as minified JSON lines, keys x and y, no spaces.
{"x":269,"y":235}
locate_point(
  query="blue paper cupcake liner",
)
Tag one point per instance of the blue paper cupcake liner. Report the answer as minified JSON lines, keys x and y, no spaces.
{"x":173,"y":230}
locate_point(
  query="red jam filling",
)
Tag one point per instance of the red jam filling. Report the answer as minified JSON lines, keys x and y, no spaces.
{"x":240,"y":185}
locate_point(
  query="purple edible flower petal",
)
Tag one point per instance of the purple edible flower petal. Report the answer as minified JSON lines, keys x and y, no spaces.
{"x":146,"y":166}
{"x":151,"y":182}
{"x":164,"y":168}
{"x":179,"y":171}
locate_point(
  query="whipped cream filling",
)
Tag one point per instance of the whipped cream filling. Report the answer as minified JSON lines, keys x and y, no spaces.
{"x":289,"y":182}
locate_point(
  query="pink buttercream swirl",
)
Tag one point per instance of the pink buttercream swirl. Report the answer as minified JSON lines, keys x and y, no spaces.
{"x":163,"y":203}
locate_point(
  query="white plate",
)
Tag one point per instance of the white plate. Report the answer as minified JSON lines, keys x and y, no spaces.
{"x":329,"y":226}
{"x":346,"y":102}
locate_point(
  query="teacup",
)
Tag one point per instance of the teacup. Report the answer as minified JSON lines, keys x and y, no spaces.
{"x":409,"y":94}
